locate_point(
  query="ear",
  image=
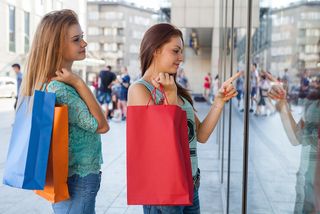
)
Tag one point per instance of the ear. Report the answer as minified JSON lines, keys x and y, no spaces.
{"x":157,"y":52}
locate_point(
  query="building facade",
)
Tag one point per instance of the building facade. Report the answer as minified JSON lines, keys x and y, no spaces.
{"x":115,"y":30}
{"x":19,"y":22}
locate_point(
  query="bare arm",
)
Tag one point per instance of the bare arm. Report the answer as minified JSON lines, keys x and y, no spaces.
{"x":288,"y":122}
{"x":226,"y":92}
{"x":86,"y":95}
{"x":290,"y":126}
{"x":206,"y":127}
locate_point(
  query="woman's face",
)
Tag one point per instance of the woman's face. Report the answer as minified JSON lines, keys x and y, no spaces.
{"x":74,"y":48}
{"x":169,"y":56}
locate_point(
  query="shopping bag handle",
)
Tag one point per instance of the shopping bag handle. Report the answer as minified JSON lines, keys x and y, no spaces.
{"x":153,"y":95}
{"x":45,"y":84}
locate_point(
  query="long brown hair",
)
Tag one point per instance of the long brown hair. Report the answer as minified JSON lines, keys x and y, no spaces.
{"x":45,"y":56}
{"x":154,"y":38}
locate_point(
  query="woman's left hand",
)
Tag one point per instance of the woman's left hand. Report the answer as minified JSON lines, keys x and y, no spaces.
{"x":227,"y":90}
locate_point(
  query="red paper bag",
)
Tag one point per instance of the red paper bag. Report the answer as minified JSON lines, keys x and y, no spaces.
{"x":158,"y":156}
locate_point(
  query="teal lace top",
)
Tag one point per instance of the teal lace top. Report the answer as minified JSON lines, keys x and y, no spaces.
{"x":85,"y":155}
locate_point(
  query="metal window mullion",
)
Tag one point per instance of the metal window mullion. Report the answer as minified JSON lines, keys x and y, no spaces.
{"x":246,"y":113}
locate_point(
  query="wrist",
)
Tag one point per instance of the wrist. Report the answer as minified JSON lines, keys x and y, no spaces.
{"x":218,"y":103}
{"x":281,"y":104}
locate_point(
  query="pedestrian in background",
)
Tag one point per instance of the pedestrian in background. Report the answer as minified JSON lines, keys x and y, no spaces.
{"x":106,"y":78}
{"x":160,"y":56}
{"x":207,"y":85}
{"x":182,"y":78}
{"x":58,"y":42}
{"x":17,"y":70}
{"x":125,"y":83}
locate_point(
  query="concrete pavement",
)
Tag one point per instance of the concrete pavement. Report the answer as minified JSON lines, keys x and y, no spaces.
{"x":111,"y":198}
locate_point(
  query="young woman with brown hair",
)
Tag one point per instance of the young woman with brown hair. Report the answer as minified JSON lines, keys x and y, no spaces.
{"x":160,"y":55}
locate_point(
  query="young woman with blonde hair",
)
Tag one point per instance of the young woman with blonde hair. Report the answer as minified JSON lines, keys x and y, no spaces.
{"x":57,"y":43}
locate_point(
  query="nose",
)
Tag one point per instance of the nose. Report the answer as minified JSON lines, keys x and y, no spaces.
{"x":83,"y":43}
{"x":180,"y":57}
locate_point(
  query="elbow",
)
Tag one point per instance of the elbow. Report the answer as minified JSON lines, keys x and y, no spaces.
{"x":104,"y":128}
{"x":202,"y":139}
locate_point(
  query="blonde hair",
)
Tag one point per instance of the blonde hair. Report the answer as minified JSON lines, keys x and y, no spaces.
{"x":45,"y":56}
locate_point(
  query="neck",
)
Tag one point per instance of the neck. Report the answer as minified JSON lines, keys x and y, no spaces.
{"x":151,"y":73}
{"x":67,"y":64}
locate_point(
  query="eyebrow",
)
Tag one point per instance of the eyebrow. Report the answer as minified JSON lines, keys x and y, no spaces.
{"x":178,"y":46}
{"x":77,"y":35}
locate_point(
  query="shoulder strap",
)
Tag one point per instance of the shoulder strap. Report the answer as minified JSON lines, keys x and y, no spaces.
{"x":150,"y":88}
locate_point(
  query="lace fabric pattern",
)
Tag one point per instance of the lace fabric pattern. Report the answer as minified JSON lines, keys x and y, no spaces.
{"x":85,"y":155}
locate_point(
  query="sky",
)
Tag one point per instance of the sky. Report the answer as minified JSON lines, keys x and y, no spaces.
{"x":278,"y":3}
{"x":155,"y":4}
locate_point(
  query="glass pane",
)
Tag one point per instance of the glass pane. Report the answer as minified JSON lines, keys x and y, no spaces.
{"x":284,"y":130}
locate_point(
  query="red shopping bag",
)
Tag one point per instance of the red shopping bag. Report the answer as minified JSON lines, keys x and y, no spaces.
{"x":158,"y":156}
{"x":56,"y":188}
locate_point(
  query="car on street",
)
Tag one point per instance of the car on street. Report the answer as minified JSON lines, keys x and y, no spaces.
{"x":8,"y":87}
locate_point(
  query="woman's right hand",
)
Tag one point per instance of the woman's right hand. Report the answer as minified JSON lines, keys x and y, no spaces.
{"x":169,"y":86}
{"x":68,"y":77}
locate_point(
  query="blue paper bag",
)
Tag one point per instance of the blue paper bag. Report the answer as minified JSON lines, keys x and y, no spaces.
{"x":29,"y":146}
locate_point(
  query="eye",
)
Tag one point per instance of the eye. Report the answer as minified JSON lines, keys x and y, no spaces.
{"x":78,"y":38}
{"x":176,"y":51}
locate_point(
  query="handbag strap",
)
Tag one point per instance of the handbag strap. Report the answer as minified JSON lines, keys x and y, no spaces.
{"x":44,"y":87}
{"x":154,"y":92}
{"x":153,"y":95}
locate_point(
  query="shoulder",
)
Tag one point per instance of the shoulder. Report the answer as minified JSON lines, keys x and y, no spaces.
{"x":138,"y":94}
{"x":55,"y":86}
{"x":138,"y":88}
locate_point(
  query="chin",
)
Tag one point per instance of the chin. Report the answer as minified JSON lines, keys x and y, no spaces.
{"x":81,"y":57}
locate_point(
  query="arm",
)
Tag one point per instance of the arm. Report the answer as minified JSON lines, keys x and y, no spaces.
{"x":76,"y":82}
{"x":290,"y":126}
{"x":226,"y":92}
{"x":206,"y":127}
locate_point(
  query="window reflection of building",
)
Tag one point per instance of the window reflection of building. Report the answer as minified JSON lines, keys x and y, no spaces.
{"x":290,"y":36}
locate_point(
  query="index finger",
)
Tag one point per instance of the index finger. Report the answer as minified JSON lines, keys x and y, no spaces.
{"x":233,"y":78}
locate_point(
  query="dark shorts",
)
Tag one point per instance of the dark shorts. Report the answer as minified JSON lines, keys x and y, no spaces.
{"x":104,"y":97}
{"x":123,"y":95}
{"x":239,"y":95}
{"x":253,"y":91}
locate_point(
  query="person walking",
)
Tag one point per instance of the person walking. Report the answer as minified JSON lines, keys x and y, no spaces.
{"x":16,"y":68}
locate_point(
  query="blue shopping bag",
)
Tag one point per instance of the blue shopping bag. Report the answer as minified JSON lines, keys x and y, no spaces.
{"x":29,"y":146}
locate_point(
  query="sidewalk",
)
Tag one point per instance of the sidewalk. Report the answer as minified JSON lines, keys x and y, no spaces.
{"x":111,"y":198}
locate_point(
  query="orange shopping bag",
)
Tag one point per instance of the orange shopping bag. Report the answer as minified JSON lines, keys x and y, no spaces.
{"x":56,"y":188}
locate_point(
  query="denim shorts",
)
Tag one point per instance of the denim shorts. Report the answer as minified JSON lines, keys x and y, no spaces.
{"x":83,"y":192}
{"x":193,"y":209}
{"x":104,"y":97}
